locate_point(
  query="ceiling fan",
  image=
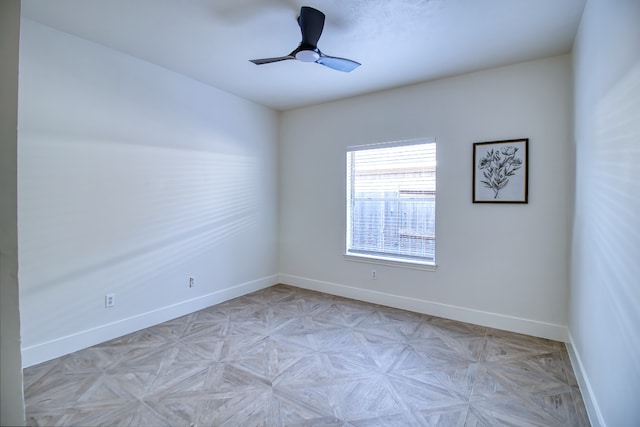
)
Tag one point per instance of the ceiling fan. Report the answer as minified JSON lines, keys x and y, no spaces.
{"x":311,"y":22}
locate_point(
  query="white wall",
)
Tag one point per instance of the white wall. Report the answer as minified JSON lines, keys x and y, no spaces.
{"x":504,"y":266}
{"x":605,"y":280}
{"x":12,"y":398}
{"x":131,"y":179}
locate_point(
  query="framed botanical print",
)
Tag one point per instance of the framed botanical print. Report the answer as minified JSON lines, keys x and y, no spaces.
{"x":500,"y":171}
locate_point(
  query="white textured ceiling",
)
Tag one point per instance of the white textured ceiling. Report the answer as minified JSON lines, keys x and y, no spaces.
{"x":398,"y":42}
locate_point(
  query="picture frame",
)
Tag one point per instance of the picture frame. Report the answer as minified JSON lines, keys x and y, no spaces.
{"x":501,"y":171}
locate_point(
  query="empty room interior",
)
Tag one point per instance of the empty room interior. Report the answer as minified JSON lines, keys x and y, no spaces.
{"x":162,"y":193}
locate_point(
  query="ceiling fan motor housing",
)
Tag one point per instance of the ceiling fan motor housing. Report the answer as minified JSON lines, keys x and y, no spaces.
{"x":307,"y":53}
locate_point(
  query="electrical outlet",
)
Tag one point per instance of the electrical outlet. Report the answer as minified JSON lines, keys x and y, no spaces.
{"x":192,"y":282}
{"x":374,"y":274}
{"x":109,"y":300}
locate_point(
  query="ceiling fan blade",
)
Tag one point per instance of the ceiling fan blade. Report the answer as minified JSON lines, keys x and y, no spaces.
{"x":311,"y":23}
{"x":340,"y":64}
{"x":270,"y":60}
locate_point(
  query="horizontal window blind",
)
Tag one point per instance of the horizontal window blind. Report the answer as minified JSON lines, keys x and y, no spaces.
{"x":391,"y":200}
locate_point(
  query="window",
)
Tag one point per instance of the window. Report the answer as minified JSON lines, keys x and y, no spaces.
{"x":391,"y":202}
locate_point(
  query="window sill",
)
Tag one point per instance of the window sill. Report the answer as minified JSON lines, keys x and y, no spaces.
{"x":392,"y":262}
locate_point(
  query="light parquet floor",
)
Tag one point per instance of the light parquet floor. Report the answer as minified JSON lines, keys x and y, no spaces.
{"x":290,"y":357}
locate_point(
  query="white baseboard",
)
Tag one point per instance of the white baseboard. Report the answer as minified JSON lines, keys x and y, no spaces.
{"x":590,"y":403}
{"x":478,"y":317}
{"x":68,"y":344}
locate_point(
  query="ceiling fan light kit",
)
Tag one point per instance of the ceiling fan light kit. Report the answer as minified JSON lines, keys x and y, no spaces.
{"x":311,"y":22}
{"x":307,"y":55}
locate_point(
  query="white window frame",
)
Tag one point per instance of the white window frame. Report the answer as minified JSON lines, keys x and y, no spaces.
{"x":380,"y":258}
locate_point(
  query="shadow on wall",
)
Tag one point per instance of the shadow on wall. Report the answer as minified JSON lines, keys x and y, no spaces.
{"x":614,"y":184}
{"x":95,"y":215}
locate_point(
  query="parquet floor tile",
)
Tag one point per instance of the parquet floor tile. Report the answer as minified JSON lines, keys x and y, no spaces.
{"x":290,"y":357}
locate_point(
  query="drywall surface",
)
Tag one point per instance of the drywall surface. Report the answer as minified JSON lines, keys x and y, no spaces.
{"x":12,"y":397}
{"x":605,"y":275}
{"x":132,"y":179}
{"x":502,"y":265}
